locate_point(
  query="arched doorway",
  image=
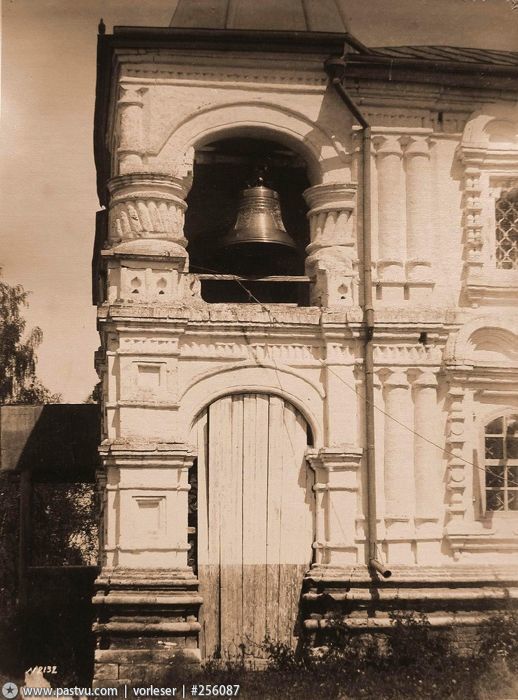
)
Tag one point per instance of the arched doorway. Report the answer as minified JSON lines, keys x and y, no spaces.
{"x":254,"y":523}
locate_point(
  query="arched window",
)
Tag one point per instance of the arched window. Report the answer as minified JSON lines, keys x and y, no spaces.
{"x":501,"y":463}
{"x":506,"y":216}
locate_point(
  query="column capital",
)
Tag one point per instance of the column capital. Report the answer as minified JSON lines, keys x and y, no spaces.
{"x":396,"y":378}
{"x":426,"y":379}
{"x":332,"y":196}
{"x":127,"y":452}
{"x":132,"y":94}
{"x":387,"y":144}
{"x":334,"y":458}
{"x":417,"y":146}
{"x":148,"y":184}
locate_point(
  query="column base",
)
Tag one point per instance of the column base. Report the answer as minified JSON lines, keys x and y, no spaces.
{"x":146,"y":624}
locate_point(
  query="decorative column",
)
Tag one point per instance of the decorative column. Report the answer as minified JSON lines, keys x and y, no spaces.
{"x":130,"y":132}
{"x":336,"y":492}
{"x":427,"y":457}
{"x":391,"y":215}
{"x":418,"y":215}
{"x":331,"y":253}
{"x":147,"y":206}
{"x":146,"y":258}
{"x":427,"y":469}
{"x":398,"y":467}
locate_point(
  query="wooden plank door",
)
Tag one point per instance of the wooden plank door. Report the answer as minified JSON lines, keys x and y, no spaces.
{"x":255,"y":521}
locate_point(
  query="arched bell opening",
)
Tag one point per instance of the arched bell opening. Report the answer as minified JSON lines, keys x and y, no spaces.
{"x":246,"y":219}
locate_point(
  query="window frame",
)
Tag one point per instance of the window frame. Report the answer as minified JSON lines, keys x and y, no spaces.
{"x":506,"y":188}
{"x":482,"y":463}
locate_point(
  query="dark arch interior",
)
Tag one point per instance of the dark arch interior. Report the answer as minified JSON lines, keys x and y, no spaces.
{"x":222,"y":170}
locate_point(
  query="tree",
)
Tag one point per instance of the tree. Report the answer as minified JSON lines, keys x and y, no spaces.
{"x":18,"y":381}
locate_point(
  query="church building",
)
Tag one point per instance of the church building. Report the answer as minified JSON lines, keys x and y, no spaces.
{"x":306,"y":274}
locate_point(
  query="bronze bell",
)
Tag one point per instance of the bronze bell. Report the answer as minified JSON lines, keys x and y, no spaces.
{"x":258,"y":221}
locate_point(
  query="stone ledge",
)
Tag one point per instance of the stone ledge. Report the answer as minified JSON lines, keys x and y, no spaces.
{"x":417,"y":594}
{"x":385,"y":623}
{"x":423,"y":575}
{"x":155,"y":628}
{"x":143,"y":656}
{"x":127,"y":578}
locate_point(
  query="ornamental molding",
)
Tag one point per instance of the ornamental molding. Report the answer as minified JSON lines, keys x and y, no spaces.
{"x":335,"y":458}
{"x":407,"y":355}
{"x":130,"y":452}
{"x":146,"y":205}
{"x":148,"y":346}
{"x":489,"y":155}
{"x":289,"y":353}
{"x":296,"y":79}
{"x":457,"y":473}
{"x":327,"y":157}
{"x":481,"y":542}
{"x":273,"y":378}
{"x":487,"y":338}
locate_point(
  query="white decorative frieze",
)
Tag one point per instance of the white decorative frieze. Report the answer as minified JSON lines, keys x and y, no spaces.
{"x":405,"y":355}
{"x":144,"y":280}
{"x":307,"y":75}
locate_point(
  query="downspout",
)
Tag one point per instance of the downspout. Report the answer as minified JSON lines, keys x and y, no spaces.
{"x":335,"y":69}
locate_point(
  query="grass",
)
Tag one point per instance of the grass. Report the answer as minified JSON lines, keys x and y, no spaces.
{"x":412,"y":661}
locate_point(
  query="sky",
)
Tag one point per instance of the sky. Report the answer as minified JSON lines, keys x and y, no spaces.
{"x":47,"y":173}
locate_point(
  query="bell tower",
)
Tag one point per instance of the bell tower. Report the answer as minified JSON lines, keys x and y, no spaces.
{"x":227,"y":172}
{"x":297,"y":383}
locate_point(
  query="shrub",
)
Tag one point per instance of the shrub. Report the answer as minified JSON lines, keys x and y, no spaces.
{"x":498,"y":638}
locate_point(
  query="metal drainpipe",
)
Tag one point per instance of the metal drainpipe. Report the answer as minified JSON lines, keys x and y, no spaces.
{"x":335,"y":69}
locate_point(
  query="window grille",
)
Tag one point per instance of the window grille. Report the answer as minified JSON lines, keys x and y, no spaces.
{"x":506,"y":211}
{"x":501,"y":462}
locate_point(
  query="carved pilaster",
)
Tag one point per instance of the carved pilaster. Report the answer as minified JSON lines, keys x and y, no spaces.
{"x":336,"y":490}
{"x":331,"y":253}
{"x":399,"y":495}
{"x":472,"y":220}
{"x":418,"y":212}
{"x":130,"y":132}
{"x":147,"y":486}
{"x":398,"y":466}
{"x":455,"y":441}
{"x":391,"y":208}
{"x":427,"y":457}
